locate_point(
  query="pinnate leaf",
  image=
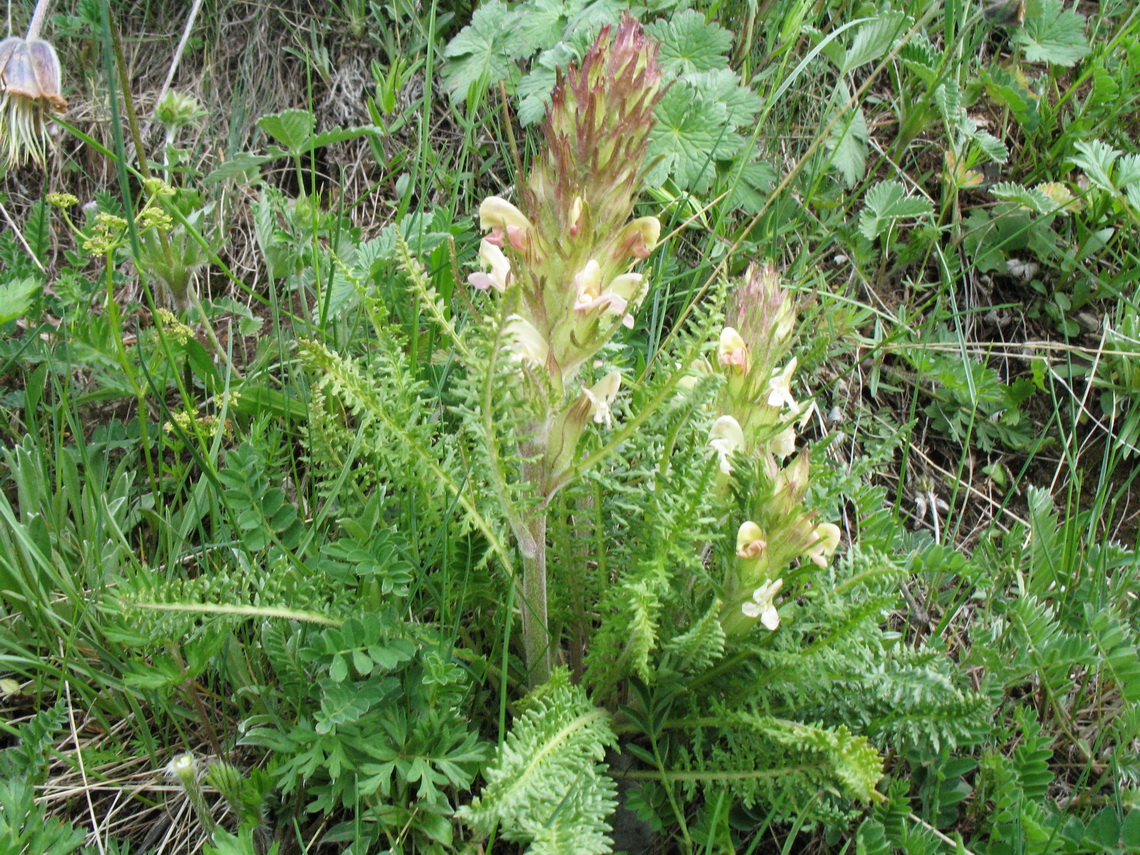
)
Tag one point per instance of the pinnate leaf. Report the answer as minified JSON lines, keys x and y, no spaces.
{"x":886,"y":204}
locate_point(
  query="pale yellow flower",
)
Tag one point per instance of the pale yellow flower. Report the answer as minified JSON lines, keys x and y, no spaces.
{"x":827,"y":537}
{"x":733,"y":351}
{"x":750,"y":540}
{"x":726,"y":437}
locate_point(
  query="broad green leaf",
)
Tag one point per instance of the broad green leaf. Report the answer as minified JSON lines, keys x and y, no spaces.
{"x":1052,"y":33}
{"x":548,"y":22}
{"x":689,"y":43}
{"x":483,"y":50}
{"x":886,"y":204}
{"x":690,"y":136}
{"x":16,"y":298}
{"x":723,"y":85}
{"x":535,"y":88}
{"x":873,"y":39}
{"x":292,"y":128}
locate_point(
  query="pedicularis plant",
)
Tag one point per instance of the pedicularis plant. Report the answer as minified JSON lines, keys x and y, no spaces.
{"x":561,"y":264}
{"x":660,"y":517}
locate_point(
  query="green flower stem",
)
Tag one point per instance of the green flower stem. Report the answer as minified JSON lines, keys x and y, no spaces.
{"x":536,"y":632}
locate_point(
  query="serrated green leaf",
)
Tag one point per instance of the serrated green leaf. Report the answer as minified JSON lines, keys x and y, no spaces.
{"x":723,"y":85}
{"x":1052,"y":34}
{"x":847,"y":144}
{"x":689,"y":43}
{"x":993,"y":147}
{"x":1033,"y":200}
{"x":886,"y":204}
{"x":873,"y":39}
{"x":16,"y":298}
{"x":292,"y":128}
{"x":690,"y":136}
{"x":1097,"y":158}
{"x":1006,"y":89}
{"x":483,"y":50}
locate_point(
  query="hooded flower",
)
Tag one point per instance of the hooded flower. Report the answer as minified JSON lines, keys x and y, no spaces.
{"x":726,"y":437}
{"x":763,"y":604}
{"x":750,"y":540}
{"x":500,"y":266}
{"x":526,"y":343}
{"x":734,"y":352}
{"x":501,"y":218}
{"x":783,"y":443}
{"x":638,"y":238}
{"x":827,"y":536}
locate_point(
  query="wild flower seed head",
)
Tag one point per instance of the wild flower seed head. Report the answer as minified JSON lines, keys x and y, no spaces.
{"x":30,"y":84}
{"x":177,"y":109}
{"x":763,"y":313}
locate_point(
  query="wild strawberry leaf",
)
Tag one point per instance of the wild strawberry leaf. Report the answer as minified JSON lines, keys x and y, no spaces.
{"x":886,"y":204}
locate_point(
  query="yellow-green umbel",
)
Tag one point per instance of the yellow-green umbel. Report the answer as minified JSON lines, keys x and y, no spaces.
{"x":29,"y":86}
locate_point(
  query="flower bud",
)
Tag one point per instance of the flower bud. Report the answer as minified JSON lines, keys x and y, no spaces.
{"x":734,"y":352}
{"x":749,"y":540}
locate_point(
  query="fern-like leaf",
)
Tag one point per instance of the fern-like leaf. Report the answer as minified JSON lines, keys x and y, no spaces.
{"x":547,"y":784}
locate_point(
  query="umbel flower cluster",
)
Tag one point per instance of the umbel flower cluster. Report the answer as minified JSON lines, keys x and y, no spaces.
{"x":757,"y":427}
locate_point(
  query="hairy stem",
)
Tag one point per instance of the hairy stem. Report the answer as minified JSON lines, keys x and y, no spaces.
{"x":536,"y":632}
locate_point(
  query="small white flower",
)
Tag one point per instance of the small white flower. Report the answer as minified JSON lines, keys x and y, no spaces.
{"x":726,"y":437}
{"x":780,"y":388}
{"x":763,"y":604}
{"x":601,"y":395}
